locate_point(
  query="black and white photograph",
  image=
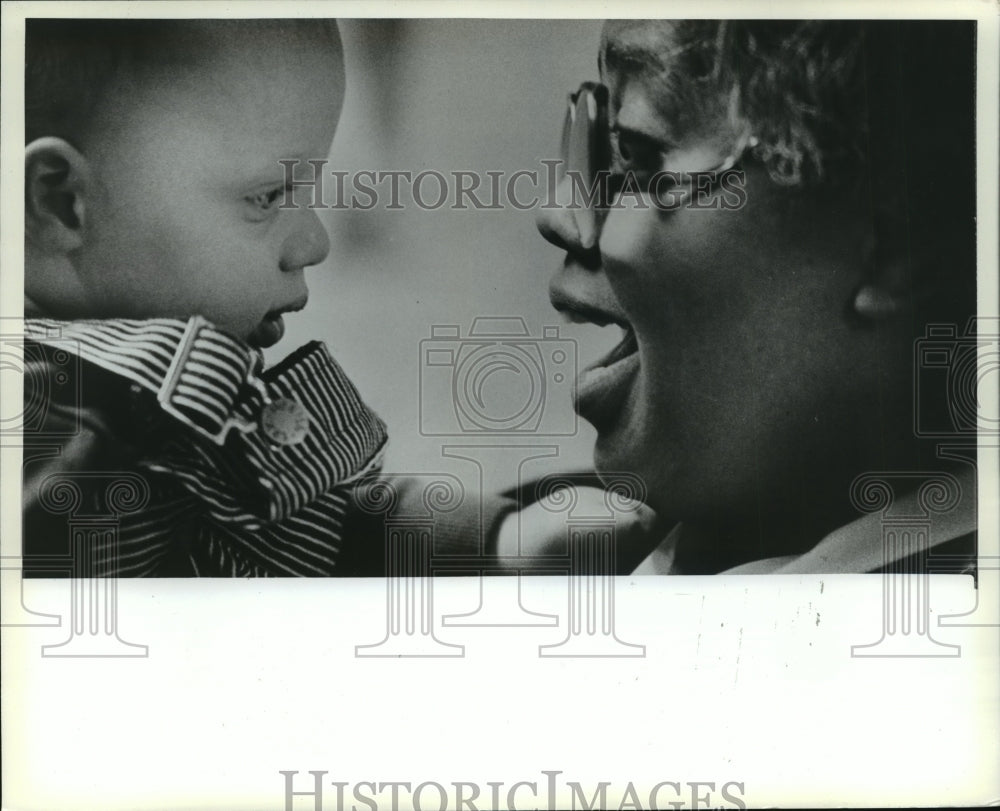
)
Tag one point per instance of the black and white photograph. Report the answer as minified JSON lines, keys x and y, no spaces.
{"x":462,"y":408}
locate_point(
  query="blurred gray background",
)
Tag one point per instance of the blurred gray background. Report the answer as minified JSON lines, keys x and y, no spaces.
{"x":447,"y":95}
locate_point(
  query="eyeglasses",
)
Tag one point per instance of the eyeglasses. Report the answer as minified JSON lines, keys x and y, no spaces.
{"x":586,"y":154}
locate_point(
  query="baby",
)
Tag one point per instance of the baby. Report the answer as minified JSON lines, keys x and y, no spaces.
{"x":162,"y":249}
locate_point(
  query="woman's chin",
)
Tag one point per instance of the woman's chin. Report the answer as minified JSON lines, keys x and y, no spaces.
{"x":621,"y":450}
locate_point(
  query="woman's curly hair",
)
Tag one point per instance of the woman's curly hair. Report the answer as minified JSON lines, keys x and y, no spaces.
{"x":828,"y":97}
{"x":883,"y":107}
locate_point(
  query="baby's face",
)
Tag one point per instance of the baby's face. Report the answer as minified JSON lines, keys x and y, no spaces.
{"x":184,"y":215}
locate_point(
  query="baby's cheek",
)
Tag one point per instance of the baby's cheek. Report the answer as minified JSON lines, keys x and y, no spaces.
{"x":238,"y":320}
{"x":229,"y":275}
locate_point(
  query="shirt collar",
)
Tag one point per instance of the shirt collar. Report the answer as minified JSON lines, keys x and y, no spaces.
{"x":861,"y":546}
{"x":198,"y":373}
{"x":873,"y":541}
{"x":302,"y":427}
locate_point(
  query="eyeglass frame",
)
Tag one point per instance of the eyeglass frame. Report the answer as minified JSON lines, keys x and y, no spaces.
{"x":590,"y":103}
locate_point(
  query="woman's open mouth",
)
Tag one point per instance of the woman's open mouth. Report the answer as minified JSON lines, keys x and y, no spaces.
{"x":601,"y":387}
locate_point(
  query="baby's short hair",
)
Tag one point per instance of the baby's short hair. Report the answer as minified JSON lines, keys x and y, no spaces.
{"x":70,"y":63}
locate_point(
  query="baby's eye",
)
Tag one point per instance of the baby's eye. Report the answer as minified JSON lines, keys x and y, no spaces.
{"x":269,"y":199}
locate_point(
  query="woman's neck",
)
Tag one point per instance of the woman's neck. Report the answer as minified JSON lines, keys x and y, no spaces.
{"x":794,"y":516}
{"x":710,"y":546}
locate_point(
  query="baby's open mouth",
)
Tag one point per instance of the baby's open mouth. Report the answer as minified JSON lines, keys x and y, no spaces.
{"x":271,"y":328}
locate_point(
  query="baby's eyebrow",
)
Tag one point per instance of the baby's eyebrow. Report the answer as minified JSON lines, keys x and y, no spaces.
{"x":275,"y":170}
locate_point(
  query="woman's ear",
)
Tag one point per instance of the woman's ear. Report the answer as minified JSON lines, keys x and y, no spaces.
{"x":57,"y":180}
{"x":875,"y":301}
{"x":887,"y":287}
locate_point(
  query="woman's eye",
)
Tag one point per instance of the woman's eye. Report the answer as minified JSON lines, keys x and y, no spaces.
{"x":630,"y":151}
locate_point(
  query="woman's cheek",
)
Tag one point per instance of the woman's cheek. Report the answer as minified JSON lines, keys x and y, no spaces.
{"x":629,"y":235}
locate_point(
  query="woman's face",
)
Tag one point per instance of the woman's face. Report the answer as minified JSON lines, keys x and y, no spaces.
{"x":749,"y":378}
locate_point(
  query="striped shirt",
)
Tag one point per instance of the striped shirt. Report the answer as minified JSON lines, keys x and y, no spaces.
{"x":161,"y":447}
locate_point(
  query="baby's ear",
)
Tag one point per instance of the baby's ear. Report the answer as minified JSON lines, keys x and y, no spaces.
{"x":56,"y":183}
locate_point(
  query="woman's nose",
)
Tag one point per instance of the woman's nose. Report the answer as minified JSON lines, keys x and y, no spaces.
{"x":307,"y":244}
{"x":557,"y":222}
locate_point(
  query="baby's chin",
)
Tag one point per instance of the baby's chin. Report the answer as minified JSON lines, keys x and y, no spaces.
{"x":268,"y":332}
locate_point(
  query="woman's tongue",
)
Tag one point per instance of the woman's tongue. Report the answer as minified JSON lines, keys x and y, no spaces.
{"x":601,"y":388}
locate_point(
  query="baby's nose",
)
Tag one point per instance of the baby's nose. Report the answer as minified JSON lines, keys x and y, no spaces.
{"x":307,"y":245}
